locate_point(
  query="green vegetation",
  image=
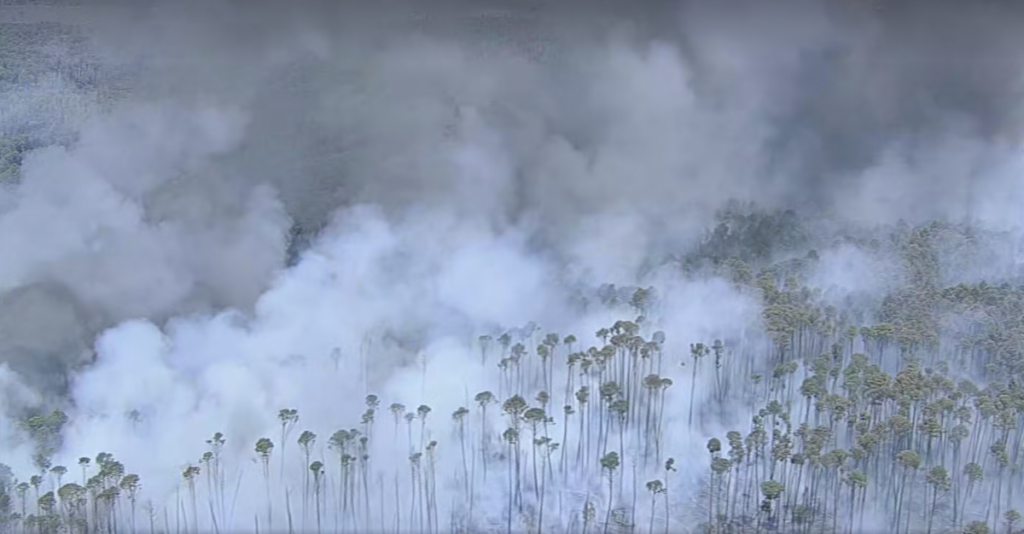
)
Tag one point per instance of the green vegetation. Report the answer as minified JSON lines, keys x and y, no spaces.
{"x":48,"y":80}
{"x":11,"y":151}
{"x":30,"y":52}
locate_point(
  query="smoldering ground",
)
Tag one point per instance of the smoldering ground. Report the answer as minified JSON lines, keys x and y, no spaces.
{"x":454,"y":169}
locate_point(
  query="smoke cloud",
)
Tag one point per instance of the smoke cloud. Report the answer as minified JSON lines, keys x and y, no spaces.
{"x":296,"y":205}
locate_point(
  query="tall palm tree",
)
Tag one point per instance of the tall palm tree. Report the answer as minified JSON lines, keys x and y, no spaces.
{"x":216,"y":470}
{"x":190,"y":474}
{"x":306,"y":441}
{"x":697,"y":351}
{"x":131,"y":486}
{"x":511,"y":437}
{"x":910,"y":462}
{"x":609,"y":463}
{"x":264,"y":447}
{"x":459,"y":416}
{"x":340,"y":442}
{"x":288,"y":418}
{"x":398,"y":410}
{"x":317,"y":468}
{"x":656,"y":487}
{"x":514,"y":407}
{"x":84,"y":462}
{"x":484,"y":399}
{"x":938,"y":479}
{"x":422,"y":412}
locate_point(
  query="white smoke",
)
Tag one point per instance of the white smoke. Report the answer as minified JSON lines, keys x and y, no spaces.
{"x":231,"y":372}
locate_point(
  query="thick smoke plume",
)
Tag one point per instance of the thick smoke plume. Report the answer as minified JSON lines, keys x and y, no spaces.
{"x":300,"y":204}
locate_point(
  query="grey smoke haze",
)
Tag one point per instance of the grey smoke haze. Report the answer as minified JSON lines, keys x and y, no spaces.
{"x":469,"y":167}
{"x":779,"y":104}
{"x":608,"y":133}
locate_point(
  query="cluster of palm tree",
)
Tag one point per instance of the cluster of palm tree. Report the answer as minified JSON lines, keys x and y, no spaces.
{"x":612,"y":402}
{"x":879,"y":427}
{"x":910,"y":419}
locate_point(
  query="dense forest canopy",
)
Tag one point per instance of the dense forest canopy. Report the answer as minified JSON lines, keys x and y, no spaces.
{"x":511,"y":269}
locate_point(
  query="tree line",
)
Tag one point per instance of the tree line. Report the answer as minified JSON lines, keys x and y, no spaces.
{"x":902,"y":415}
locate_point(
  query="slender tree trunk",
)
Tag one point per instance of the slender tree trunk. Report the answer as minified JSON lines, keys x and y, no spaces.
{"x":511,"y":493}
{"x":398,"y":507}
{"x":465,"y":468}
{"x":654,"y":504}
{"x":667,"y":520}
{"x":693,"y":388}
{"x":540,"y":515}
{"x":611,"y":501}
{"x":316,"y":495}
{"x":288,"y":509}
